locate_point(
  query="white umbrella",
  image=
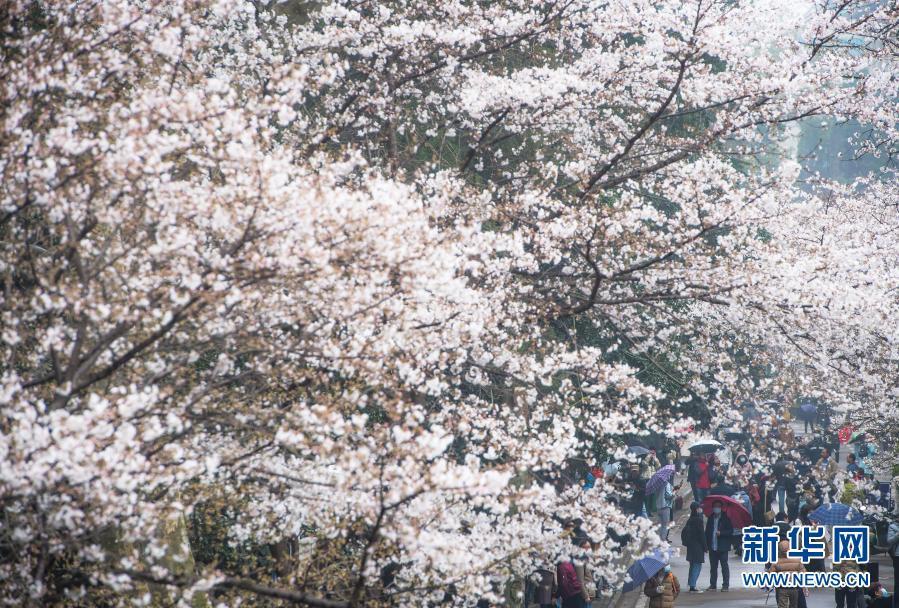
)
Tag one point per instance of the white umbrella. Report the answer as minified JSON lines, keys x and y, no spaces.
{"x":705,"y":445}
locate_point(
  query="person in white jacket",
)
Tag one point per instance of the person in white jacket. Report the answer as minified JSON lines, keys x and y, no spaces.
{"x":665,"y":506}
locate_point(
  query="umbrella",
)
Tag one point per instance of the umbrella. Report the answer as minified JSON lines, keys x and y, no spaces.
{"x":812,"y":451}
{"x":637,"y":450}
{"x":808,"y":411}
{"x":722,"y":489}
{"x":836,"y":514}
{"x":735,"y":436}
{"x":659,"y":479}
{"x":857,"y":436}
{"x":705,"y":445}
{"x":734,"y":509}
{"x":844,"y":434}
{"x":645,"y":568}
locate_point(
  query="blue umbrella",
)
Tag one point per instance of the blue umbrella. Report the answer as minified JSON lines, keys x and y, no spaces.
{"x":807,"y":411}
{"x":836,"y":514}
{"x":645,"y":568}
{"x":637,"y":450}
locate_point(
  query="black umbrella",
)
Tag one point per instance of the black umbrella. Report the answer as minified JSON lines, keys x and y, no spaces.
{"x":705,"y":446}
{"x":735,"y":436}
{"x":808,"y":411}
{"x":812,"y":451}
{"x":722,"y":489}
{"x":637,"y":450}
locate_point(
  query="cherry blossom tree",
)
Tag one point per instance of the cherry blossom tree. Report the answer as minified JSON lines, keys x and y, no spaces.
{"x":370,"y":275}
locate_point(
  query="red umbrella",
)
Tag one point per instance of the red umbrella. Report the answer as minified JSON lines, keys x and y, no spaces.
{"x":845,"y":434}
{"x":735,"y":511}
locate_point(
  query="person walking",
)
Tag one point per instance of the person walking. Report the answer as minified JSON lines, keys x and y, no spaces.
{"x":809,"y":420}
{"x":762,"y":507}
{"x":546,"y":588}
{"x":893,"y":550}
{"x":819,"y":564}
{"x":851,"y":466}
{"x":662,"y":589}
{"x":719,"y":532}
{"x":638,"y":498}
{"x":665,"y":506}
{"x":692,"y":537}
{"x":786,"y":597}
{"x":849,"y":597}
{"x":692,"y":464}
{"x":826,"y":466}
{"x":780,"y":486}
{"x":571,"y":581}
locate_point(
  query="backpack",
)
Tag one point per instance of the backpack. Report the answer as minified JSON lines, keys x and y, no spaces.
{"x":569,"y":585}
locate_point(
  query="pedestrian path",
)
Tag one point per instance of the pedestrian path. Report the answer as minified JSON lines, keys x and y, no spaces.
{"x":739,"y":597}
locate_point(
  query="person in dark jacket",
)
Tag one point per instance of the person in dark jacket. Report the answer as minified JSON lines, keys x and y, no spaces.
{"x":545,"y":589}
{"x":763,"y":505}
{"x":692,"y":464}
{"x":719,"y":533}
{"x":693,"y":538}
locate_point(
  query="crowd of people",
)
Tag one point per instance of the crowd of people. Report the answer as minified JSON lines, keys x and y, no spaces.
{"x":779,"y":479}
{"x":788,"y":478}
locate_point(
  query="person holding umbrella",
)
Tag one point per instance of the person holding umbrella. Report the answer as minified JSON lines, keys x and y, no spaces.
{"x":703,"y":482}
{"x":645,"y":568}
{"x":662,"y":589}
{"x":808,"y":411}
{"x":719,"y":532}
{"x":692,"y":537}
{"x":660,"y":486}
